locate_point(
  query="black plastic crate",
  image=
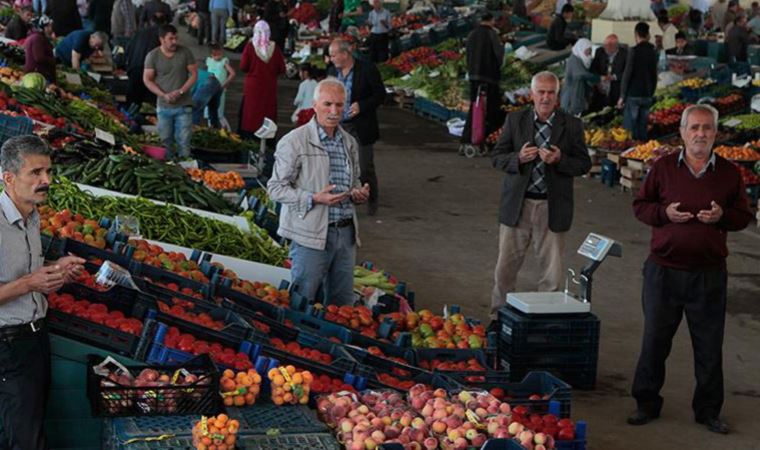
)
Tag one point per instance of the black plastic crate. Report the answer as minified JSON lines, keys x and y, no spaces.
{"x":544,"y":384}
{"x":246,"y":304}
{"x":166,"y":293}
{"x":578,"y":371}
{"x":131,"y":303}
{"x":201,"y":397}
{"x":262,"y":417}
{"x":157,"y":275}
{"x":525,"y":334}
{"x":92,"y":254}
{"x":457,"y":355}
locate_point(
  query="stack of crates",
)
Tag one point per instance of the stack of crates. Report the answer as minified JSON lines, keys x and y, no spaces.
{"x":566,"y":345}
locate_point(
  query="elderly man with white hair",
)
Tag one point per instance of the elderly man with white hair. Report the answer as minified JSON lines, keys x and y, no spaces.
{"x":541,"y":150}
{"x":691,"y":199}
{"x":609,"y":63}
{"x":316,"y":178}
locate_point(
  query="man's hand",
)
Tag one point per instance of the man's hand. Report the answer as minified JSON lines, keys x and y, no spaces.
{"x":677,"y":216}
{"x":527,"y":153}
{"x":325,"y":197}
{"x":361,"y":195}
{"x":45,"y":280}
{"x":353,"y":111}
{"x":71,"y":266}
{"x":620,"y":104}
{"x":711,"y":215}
{"x":550,"y":156}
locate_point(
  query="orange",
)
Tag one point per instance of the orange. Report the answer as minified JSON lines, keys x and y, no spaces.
{"x":297,"y":378}
{"x":239,"y":400}
{"x":230,"y":440}
{"x":250,"y":399}
{"x":307,"y":377}
{"x":272,"y":373}
{"x":228,"y":373}
{"x":221,"y":419}
{"x":228,"y":401}
{"x":278,"y":380}
{"x":291,"y":369}
{"x":288,"y":397}
{"x":277,"y":400}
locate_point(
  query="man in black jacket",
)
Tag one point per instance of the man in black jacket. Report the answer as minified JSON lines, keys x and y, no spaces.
{"x":65,"y":15}
{"x":609,"y":64}
{"x":485,"y":56}
{"x":204,"y":21}
{"x":100,"y":13}
{"x":366,"y":92}
{"x":738,"y":40}
{"x":154,"y":8}
{"x":540,"y":150}
{"x":682,"y":47}
{"x":138,"y":48}
{"x":639,"y":83}
{"x":18,"y":27}
{"x":558,"y":38}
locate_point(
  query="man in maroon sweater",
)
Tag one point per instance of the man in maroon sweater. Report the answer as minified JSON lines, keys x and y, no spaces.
{"x":691,"y":200}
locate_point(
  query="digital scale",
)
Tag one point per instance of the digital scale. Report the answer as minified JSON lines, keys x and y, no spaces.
{"x":596,"y":248}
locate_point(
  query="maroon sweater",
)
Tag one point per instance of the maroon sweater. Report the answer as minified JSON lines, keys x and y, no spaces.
{"x":39,"y":56}
{"x":692,"y":245}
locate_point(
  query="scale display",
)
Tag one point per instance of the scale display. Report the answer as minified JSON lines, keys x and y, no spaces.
{"x":595,"y":246}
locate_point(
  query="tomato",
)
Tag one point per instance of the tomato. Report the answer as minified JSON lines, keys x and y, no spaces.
{"x":566,"y":434}
{"x":565,"y":423}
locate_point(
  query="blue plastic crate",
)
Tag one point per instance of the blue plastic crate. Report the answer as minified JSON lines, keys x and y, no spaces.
{"x":157,"y":275}
{"x":548,"y":386}
{"x":14,"y":126}
{"x":431,"y":110}
{"x":610,"y":174}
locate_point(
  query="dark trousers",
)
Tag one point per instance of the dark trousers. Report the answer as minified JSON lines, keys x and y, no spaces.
{"x":204,"y":27}
{"x":636,"y":116}
{"x":24,"y":388}
{"x":137,"y":93}
{"x":668,"y":294}
{"x":366,"y":164}
{"x":494,"y":114}
{"x":209,"y":96}
{"x":378,"y":47}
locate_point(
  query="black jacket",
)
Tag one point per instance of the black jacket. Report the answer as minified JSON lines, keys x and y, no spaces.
{"x":737,"y":43}
{"x":65,"y":15}
{"x":100,"y":13}
{"x":599,"y":66}
{"x":567,"y":134}
{"x":138,"y":48}
{"x":152,"y":7}
{"x":369,"y":91}
{"x":17,"y":29}
{"x":640,"y":76}
{"x":687,"y":51}
{"x":557,"y":37}
{"x":485,"y":55}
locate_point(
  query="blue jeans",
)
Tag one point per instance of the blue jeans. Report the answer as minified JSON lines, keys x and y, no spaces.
{"x":210,"y":95}
{"x":175,"y":126}
{"x":636,"y":115}
{"x":333,"y":267}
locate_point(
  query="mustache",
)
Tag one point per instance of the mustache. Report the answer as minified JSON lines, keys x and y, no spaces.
{"x":333,"y":117}
{"x":44,"y":188}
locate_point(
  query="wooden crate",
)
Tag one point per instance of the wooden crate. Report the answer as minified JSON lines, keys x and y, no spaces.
{"x":404,"y":101}
{"x":629,"y":184}
{"x":631,"y":173}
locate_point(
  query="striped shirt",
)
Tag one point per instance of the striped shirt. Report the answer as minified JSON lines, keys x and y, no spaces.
{"x":348,"y":82}
{"x":340,"y":174}
{"x":20,"y":255}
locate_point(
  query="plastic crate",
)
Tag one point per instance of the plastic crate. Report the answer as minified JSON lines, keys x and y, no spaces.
{"x":548,"y":386}
{"x":577,"y":371}
{"x":310,"y":441}
{"x":157,"y":275}
{"x":117,"y":431}
{"x":167,"y":294}
{"x":431,"y":110}
{"x":234,"y":332}
{"x":610,"y":174}
{"x":247,"y":305}
{"x":131,"y":303}
{"x":92,"y":254}
{"x":168,"y":443}
{"x":14,"y":126}
{"x":524,"y":334}
{"x":198,"y":398}
{"x":262,"y":417}
{"x":457,"y":355}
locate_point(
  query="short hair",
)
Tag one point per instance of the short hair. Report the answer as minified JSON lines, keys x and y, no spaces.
{"x":642,"y":29}
{"x":739,"y":18}
{"x":308,"y":68}
{"x":14,"y":150}
{"x":544,"y":75}
{"x":568,"y":8}
{"x":701,"y":107}
{"x":662,"y":17}
{"x":680,"y":35}
{"x":331,"y":82}
{"x":733,"y":3}
{"x":342,"y":44}
{"x":166,"y":29}
{"x":101,"y":36}
{"x":26,"y":9}
{"x":486,"y":17}
{"x":215,"y":47}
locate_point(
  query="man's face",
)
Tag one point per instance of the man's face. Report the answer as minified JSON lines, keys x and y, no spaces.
{"x":95,"y":43}
{"x":568,"y":16}
{"x":31,"y":183}
{"x":169,"y":42}
{"x":611,"y":46}
{"x":699,"y":134}
{"x":545,"y":96}
{"x":681,"y":43}
{"x":338,"y":57}
{"x":329,"y":106}
{"x":377,"y":4}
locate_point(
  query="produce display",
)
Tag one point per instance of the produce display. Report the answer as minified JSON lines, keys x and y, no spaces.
{"x":599,"y":137}
{"x":737,"y":153}
{"x":358,"y":318}
{"x":241,"y":388}
{"x":220,"y":354}
{"x":290,"y":386}
{"x":218,"y":181}
{"x":749,"y":178}
{"x":432,"y":331}
{"x":221,"y":141}
{"x":746,"y":122}
{"x":95,"y":312}
{"x":695,"y":83}
{"x":649,"y":152}
{"x":63,"y":224}
{"x":215,"y":433}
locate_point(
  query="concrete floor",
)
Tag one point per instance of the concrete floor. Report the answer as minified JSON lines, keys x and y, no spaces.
{"x":437,"y":229}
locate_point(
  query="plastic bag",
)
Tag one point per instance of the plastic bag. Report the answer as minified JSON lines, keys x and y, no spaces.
{"x":479,"y":119}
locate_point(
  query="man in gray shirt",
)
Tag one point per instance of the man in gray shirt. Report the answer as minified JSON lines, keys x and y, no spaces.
{"x":24,"y":282}
{"x":380,"y":22}
{"x":170,"y":73}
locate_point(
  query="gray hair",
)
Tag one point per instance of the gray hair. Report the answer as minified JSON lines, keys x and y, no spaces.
{"x":14,"y":150}
{"x":706,"y":108}
{"x":544,"y":75}
{"x":329,"y":82}
{"x":343,"y":45}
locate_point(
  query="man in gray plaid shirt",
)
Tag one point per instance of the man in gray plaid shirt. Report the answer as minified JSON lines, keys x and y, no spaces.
{"x":316,"y":178}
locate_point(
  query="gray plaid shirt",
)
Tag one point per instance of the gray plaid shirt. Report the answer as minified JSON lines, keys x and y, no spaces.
{"x":543,"y":135}
{"x":340,"y":174}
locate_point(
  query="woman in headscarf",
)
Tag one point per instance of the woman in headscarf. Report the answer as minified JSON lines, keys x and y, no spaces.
{"x":578,"y":79}
{"x":38,"y":49}
{"x":262,"y":63}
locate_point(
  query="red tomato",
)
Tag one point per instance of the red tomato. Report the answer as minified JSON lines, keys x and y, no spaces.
{"x":566,"y":434}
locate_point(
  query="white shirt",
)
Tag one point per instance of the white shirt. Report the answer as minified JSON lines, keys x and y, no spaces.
{"x":376,"y":18}
{"x":702,"y":5}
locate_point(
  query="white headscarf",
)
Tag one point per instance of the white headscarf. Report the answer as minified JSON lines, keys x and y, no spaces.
{"x":261,"y":43}
{"x":579,"y":50}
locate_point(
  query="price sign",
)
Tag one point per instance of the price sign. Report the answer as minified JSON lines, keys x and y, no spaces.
{"x":95,"y":76}
{"x":732,"y":123}
{"x":105,"y":136}
{"x":74,"y":78}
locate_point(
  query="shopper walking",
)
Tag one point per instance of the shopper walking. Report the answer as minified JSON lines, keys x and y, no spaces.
{"x":366,"y":93}
{"x":138,"y":48}
{"x":380,"y":22}
{"x":731,"y":13}
{"x":18,"y":27}
{"x":316,"y":179}
{"x":485,"y":56}
{"x":221,"y":10}
{"x":541,"y":150}
{"x":24,"y":283}
{"x":609,"y":64}
{"x":123,"y":21}
{"x":262,"y":62}
{"x":691,"y":199}
{"x":639,"y":84}
{"x":38,"y":49}
{"x":155,"y":8}
{"x":276,"y":16}
{"x":65,"y":16}
{"x":578,"y":79}
{"x":170,"y":73}
{"x":558,"y":37}
{"x":204,"y":21}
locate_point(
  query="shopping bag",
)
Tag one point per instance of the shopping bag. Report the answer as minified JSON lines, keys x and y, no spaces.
{"x":479,"y":118}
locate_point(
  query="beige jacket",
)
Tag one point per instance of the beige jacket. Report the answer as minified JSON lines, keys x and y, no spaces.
{"x":301,"y":169}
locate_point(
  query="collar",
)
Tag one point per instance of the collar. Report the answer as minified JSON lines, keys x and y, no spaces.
{"x":710,"y":162}
{"x":549,"y":121}
{"x":10,"y":211}
{"x":323,"y":136}
{"x":350,"y":73}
